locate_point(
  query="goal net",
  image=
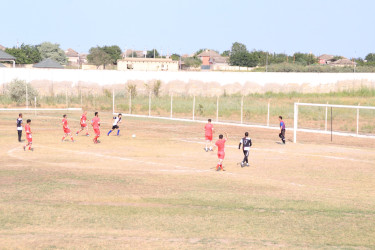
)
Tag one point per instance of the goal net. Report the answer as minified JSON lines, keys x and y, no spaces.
{"x":344,"y":120}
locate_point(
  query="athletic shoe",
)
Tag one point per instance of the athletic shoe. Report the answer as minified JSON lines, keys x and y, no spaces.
{"x":247,"y":164}
{"x":87,"y":135}
{"x":211,"y":149}
{"x":242,"y":164}
{"x":76,"y":134}
{"x":218,"y":169}
{"x":206,"y":149}
{"x":32,"y":149}
{"x":98,"y":141}
{"x":24,"y":148}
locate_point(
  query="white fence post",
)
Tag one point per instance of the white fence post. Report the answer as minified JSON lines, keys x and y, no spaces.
{"x":113,"y":101}
{"x":27,"y":98}
{"x":325,"y":126}
{"x":194,"y":108}
{"x":149,"y":104}
{"x":130,"y":102}
{"x":171,"y":105}
{"x":295,"y":122}
{"x":358,"y":119}
{"x":217,"y":109}
{"x":268,"y":114}
{"x":242,"y":110}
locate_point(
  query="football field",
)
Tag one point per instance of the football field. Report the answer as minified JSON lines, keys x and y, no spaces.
{"x":160,"y":189}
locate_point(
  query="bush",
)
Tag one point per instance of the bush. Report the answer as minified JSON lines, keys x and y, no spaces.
{"x":132,"y":89}
{"x":16,"y":90}
{"x":156,"y":88}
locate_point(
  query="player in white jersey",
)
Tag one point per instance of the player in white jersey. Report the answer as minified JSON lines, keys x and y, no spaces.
{"x":246,"y":144}
{"x":115,"y":125}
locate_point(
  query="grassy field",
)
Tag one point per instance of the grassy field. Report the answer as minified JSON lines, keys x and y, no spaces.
{"x":160,"y":191}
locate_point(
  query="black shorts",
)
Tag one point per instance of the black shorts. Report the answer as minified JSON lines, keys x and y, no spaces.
{"x":115,"y":127}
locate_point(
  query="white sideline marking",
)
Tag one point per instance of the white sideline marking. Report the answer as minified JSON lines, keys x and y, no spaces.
{"x":283,"y":152}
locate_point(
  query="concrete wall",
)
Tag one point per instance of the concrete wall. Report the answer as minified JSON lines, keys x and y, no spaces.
{"x":205,"y":83}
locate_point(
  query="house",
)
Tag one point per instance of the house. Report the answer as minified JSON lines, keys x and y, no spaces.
{"x":147,"y":64}
{"x":83,"y":58}
{"x":210,"y":57}
{"x":5,"y":57}
{"x":343,"y":62}
{"x":49,"y":64}
{"x":73,"y":56}
{"x":325,"y":59}
{"x":2,"y":47}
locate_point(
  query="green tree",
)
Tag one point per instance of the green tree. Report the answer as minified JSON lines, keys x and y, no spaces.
{"x":243,"y":59}
{"x":240,"y":56}
{"x":304,"y":58}
{"x":238,"y":47}
{"x":16,"y":90}
{"x":192,"y":62}
{"x":370,"y":57}
{"x":26,"y":54}
{"x":99,"y":57}
{"x":226,"y":53}
{"x":175,"y":57}
{"x":53,"y":51}
{"x":150,"y":53}
{"x":114,"y":52}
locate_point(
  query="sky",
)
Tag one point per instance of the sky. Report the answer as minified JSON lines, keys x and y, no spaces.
{"x":337,"y":27}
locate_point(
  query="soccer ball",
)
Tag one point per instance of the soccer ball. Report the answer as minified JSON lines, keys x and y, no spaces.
{"x":133,"y":135}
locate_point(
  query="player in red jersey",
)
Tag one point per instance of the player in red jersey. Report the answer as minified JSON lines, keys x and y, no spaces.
{"x":28,"y":135}
{"x":209,"y":129}
{"x":95,"y":122}
{"x":221,"y":151}
{"x":66,"y":129}
{"x":83,"y":124}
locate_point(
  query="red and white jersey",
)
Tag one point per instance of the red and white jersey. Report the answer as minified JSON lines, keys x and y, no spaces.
{"x":83,"y":119}
{"x":95,"y":122}
{"x":208,"y":129}
{"x":28,"y":131}
{"x":65,"y":123}
{"x":220,"y":145}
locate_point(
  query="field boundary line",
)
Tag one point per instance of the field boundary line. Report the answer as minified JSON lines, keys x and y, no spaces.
{"x":253,"y":126}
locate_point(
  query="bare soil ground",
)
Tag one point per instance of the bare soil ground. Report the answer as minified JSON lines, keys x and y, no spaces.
{"x":159,"y":190}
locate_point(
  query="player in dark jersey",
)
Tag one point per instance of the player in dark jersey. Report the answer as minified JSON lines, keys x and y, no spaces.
{"x":282,"y":129}
{"x":19,"y":127}
{"x":246,"y":144}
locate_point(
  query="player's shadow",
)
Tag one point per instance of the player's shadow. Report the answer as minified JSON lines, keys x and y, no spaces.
{"x":278,"y":142}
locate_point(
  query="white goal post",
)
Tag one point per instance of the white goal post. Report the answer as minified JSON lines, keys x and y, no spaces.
{"x":297,"y":104}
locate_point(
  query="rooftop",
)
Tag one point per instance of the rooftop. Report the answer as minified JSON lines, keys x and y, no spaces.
{"x":48,"y":63}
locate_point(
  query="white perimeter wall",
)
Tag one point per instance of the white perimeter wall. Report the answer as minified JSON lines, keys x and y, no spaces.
{"x":255,"y":81}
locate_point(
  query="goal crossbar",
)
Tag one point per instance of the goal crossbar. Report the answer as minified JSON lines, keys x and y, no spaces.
{"x":296,"y":104}
{"x":334,"y":105}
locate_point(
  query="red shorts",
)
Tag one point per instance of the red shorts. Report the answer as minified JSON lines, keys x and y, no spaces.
{"x":221,"y":155}
{"x":83,"y":125}
{"x":97,"y":131}
{"x":29,"y":139}
{"x":208,"y":137}
{"x":66,"y":130}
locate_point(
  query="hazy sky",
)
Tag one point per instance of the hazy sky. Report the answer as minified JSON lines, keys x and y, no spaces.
{"x":339,"y":27}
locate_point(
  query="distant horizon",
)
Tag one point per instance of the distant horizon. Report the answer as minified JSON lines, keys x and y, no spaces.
{"x":341,"y":28}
